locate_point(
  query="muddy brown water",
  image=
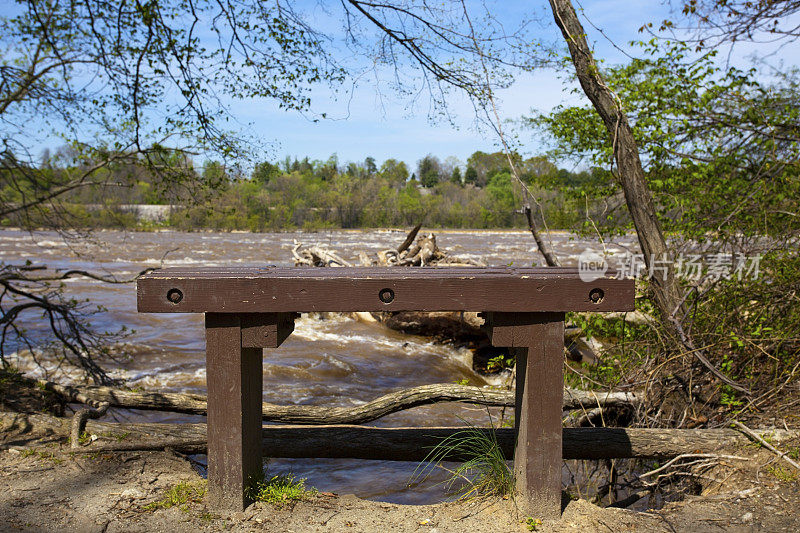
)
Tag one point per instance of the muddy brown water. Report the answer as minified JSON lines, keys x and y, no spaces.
{"x":335,"y":361}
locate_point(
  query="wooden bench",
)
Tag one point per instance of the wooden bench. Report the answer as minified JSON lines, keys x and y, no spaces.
{"x":248,"y":309}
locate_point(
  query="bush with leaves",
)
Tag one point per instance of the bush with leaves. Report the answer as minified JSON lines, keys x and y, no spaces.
{"x":721,"y":151}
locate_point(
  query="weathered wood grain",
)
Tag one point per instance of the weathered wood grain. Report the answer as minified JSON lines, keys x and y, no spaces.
{"x":537,"y":339}
{"x":273,"y":289}
{"x":234,"y":377}
{"x":320,"y":414}
{"x":401,"y":444}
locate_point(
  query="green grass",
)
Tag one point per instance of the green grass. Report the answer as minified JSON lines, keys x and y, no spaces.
{"x":280,"y":489}
{"x":485,"y":471}
{"x":45,"y":456}
{"x":783,"y":474}
{"x":533,"y":524}
{"x":117,"y":436}
{"x":84,"y":439}
{"x":181,"y":495}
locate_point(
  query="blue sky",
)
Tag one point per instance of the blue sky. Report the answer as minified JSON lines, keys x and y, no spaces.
{"x":382,"y":124}
{"x":385,"y":127}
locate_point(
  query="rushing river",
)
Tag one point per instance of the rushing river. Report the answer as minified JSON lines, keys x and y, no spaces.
{"x":335,"y":361}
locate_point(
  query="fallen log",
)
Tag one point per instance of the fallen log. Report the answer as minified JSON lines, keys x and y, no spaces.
{"x":415,"y":251}
{"x":424,"y":252}
{"x":464,"y":328}
{"x":313,"y":414}
{"x":391,"y":444}
{"x":318,"y":256}
{"x":409,"y":239}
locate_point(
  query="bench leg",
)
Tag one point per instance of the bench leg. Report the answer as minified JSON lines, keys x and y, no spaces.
{"x":234,"y":377}
{"x":539,"y":397}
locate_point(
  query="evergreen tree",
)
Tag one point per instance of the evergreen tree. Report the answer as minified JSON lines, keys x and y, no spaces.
{"x":428,"y":169}
{"x":471,"y":175}
{"x":264,"y":172}
{"x":455,"y":177}
{"x":369,"y":166}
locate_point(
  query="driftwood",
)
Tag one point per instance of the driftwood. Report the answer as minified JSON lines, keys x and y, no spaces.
{"x":392,"y":444}
{"x":460,"y":328}
{"x":318,"y":256}
{"x":420,"y":252}
{"x":466,"y":329}
{"x":80,"y":418}
{"x":409,"y":239}
{"x":312,"y":414}
{"x":94,"y":407}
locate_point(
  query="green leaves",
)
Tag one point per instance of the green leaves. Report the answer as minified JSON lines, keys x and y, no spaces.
{"x":103,"y":69}
{"x":719,"y":147}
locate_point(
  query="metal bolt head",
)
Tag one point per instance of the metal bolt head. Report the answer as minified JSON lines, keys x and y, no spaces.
{"x":596,"y":295}
{"x":386,"y":295}
{"x":174,"y":295}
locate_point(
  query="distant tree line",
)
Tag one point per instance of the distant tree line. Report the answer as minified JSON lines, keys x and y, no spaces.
{"x":313,"y":194}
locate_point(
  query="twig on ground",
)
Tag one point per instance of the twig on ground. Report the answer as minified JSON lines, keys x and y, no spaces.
{"x":753,"y":435}
{"x":690,"y":456}
{"x":79,"y":421}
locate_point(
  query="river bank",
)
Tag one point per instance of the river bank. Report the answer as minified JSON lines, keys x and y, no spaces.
{"x":45,"y":487}
{"x":336,"y":361}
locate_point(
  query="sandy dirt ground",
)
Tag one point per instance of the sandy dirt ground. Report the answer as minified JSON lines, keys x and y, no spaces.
{"x":47,"y":488}
{"x":44,"y":486}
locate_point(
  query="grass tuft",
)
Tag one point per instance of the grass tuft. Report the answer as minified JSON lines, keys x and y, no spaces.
{"x":44,"y":456}
{"x":483,"y":473}
{"x":783,"y":474}
{"x":533,"y":524}
{"x":280,"y":489}
{"x":180,"y":496}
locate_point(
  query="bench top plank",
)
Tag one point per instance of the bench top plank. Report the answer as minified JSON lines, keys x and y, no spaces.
{"x":281,"y":289}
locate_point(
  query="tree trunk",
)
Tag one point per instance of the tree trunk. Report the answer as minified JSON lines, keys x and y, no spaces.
{"x":544,"y":247}
{"x":666,"y":291}
{"x":626,"y":154}
{"x":389,"y":444}
{"x":312,"y":414}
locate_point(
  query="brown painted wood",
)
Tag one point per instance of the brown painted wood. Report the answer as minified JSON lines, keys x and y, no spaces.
{"x":234,"y":377}
{"x":521,"y":359}
{"x":537,"y":341}
{"x":273,"y":289}
{"x":248,"y":309}
{"x":266,"y":330}
{"x":537,"y":457}
{"x":511,"y":330}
